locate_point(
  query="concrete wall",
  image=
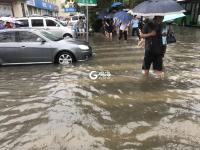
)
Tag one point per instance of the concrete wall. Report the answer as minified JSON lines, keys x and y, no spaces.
{"x":6,"y":9}
{"x":17,"y":9}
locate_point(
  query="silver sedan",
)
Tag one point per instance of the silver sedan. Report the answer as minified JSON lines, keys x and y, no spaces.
{"x":27,"y":46}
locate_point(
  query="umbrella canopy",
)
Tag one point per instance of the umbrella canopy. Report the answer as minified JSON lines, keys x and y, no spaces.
{"x":173,"y":16}
{"x":115,"y":4}
{"x":157,"y":8}
{"x":123,"y":16}
{"x":130,"y":12}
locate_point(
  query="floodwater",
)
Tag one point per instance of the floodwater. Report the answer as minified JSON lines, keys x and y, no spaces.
{"x":48,"y":107}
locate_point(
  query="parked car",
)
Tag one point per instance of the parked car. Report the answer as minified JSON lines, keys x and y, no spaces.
{"x":48,"y":23}
{"x":30,"y":46}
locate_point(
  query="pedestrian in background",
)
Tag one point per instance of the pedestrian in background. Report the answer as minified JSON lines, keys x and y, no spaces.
{"x":164,"y":38}
{"x":81,"y":26}
{"x":135,"y":26}
{"x":109,"y":28}
{"x":141,"y":24}
{"x":166,"y":29}
{"x":2,"y":25}
{"x":123,"y":30}
{"x":8,"y":25}
{"x":75,"y":28}
{"x":117,"y":24}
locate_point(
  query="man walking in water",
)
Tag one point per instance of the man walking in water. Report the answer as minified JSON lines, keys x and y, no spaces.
{"x":152,"y":32}
{"x":123,"y":30}
{"x":81,"y":27}
{"x":135,"y":26}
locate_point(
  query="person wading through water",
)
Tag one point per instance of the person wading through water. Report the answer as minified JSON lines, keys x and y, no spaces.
{"x":152,"y":33}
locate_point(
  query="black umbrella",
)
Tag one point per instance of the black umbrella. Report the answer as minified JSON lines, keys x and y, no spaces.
{"x":110,"y":15}
{"x":157,"y":8}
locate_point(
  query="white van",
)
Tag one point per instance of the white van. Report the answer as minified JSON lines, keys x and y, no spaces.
{"x":48,"y":23}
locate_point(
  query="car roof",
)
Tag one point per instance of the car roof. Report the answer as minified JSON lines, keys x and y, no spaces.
{"x":35,"y":17}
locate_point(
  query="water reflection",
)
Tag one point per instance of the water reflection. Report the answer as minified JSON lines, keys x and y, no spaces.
{"x":55,"y":107}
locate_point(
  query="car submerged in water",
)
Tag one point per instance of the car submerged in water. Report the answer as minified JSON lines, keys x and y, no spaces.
{"x":31,"y":46}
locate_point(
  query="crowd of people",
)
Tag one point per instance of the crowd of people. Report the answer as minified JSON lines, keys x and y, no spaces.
{"x":114,"y":25}
{"x":151,"y":34}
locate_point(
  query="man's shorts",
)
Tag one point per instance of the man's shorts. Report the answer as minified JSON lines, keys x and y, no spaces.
{"x":81,"y":30}
{"x":156,"y":60}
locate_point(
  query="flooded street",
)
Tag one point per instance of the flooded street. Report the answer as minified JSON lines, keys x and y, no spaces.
{"x":49,"y":107}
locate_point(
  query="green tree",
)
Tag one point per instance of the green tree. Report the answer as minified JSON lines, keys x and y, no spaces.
{"x":101,"y":4}
{"x":133,"y":3}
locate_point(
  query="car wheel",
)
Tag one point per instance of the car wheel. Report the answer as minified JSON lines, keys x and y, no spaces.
{"x":67,"y":35}
{"x":65,"y":58}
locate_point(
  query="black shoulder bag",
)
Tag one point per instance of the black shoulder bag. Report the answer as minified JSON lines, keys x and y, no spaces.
{"x":171,"y":38}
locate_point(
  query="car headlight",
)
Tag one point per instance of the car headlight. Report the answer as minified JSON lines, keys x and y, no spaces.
{"x":84,"y":47}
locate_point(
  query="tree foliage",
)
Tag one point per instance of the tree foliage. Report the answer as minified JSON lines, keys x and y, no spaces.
{"x":101,"y":4}
{"x":104,"y":3}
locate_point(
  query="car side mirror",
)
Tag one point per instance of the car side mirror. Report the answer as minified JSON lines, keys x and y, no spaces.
{"x":57,"y":25}
{"x":40,"y":40}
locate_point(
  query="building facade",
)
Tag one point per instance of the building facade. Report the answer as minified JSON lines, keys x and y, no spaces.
{"x":14,"y":8}
{"x":192,"y":8}
{"x":42,"y":7}
{"x":22,"y":8}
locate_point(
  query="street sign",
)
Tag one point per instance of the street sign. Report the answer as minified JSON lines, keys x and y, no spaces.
{"x":87,"y":2}
{"x":70,"y":9}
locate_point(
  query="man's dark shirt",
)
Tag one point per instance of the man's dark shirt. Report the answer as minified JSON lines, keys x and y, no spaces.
{"x":153,"y":44}
{"x":148,"y":28}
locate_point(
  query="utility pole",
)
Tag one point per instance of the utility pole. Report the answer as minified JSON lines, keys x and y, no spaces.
{"x":87,"y":28}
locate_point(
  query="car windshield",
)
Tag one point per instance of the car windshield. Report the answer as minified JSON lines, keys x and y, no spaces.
{"x":50,"y":36}
{"x":63,"y":24}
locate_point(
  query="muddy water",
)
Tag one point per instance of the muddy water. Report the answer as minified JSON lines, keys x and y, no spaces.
{"x":52,"y":107}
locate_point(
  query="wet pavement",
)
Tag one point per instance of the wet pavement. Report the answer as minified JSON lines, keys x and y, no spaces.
{"x":49,"y":107}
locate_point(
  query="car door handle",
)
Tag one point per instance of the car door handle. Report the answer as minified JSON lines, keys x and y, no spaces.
{"x":23,"y":46}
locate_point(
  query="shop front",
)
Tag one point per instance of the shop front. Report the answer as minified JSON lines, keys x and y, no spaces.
{"x":39,"y":7}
